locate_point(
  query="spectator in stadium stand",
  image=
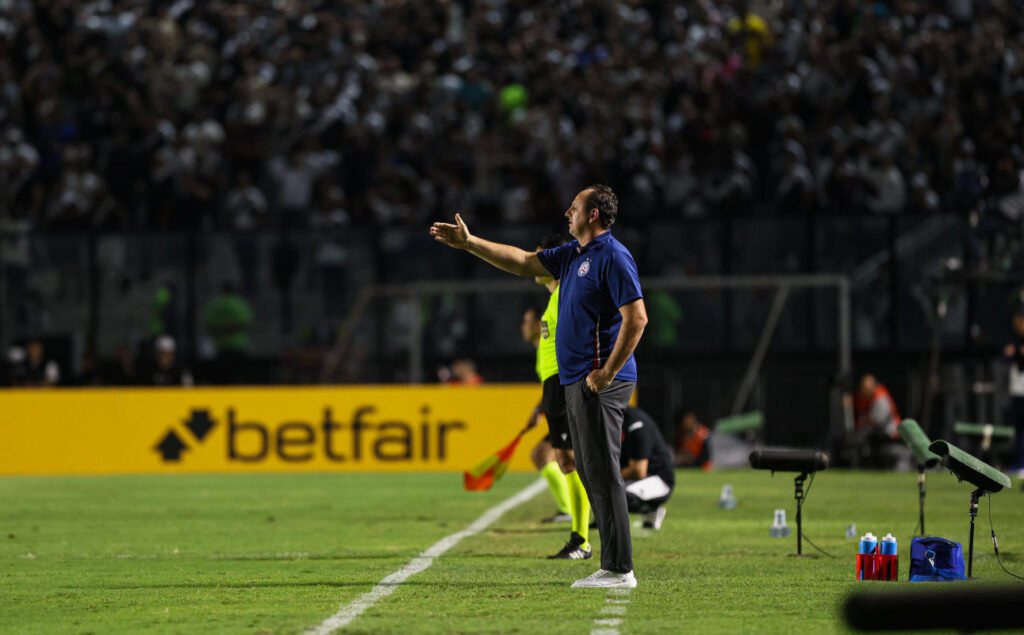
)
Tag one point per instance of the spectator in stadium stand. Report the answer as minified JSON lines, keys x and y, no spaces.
{"x":1013,"y":355}
{"x":602,"y":317}
{"x":463,"y":373}
{"x":876,"y":420}
{"x":166,"y":370}
{"x":122,"y":371}
{"x":692,"y":447}
{"x":40,"y":372}
{"x":89,"y":373}
{"x":295,"y":177}
{"x":14,"y":366}
{"x":163,"y":315}
{"x":245,"y":210}
{"x":173,"y":100}
{"x":15,"y":264}
{"x":19,"y":163}
{"x":752,"y":33}
{"x":646,"y":464}
{"x":227,"y":319}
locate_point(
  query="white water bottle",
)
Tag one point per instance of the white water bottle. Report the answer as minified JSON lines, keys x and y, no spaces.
{"x":779,"y":528}
{"x":727,"y":500}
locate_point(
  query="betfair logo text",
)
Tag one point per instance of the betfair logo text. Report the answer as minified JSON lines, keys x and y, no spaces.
{"x":363,"y":436}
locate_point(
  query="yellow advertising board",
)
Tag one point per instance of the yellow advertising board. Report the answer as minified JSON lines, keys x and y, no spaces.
{"x":264,"y":429}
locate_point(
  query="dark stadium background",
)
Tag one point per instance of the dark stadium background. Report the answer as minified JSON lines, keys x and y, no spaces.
{"x":153,"y":152}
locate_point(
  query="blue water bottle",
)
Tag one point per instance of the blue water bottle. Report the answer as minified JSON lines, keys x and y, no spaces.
{"x":866,"y":557}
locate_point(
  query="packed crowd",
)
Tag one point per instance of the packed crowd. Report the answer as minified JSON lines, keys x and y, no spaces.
{"x":236,"y":114}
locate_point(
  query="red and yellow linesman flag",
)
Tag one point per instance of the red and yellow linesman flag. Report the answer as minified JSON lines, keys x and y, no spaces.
{"x":487,"y":472}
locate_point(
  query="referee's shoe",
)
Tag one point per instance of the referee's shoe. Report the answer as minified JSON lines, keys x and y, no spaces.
{"x":575,"y":549}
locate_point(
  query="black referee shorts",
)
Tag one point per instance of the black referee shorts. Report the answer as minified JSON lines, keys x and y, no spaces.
{"x":553,"y":404}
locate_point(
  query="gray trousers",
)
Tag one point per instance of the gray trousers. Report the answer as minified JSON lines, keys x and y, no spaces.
{"x":595,"y":427}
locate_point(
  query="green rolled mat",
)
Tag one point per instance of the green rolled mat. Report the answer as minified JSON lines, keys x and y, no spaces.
{"x":918,"y":442}
{"x":969,"y":468}
{"x":978,"y":430}
{"x":740,"y":423}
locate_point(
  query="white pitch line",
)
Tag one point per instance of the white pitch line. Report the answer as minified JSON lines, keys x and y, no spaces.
{"x":349,"y":612}
{"x":616,"y":605}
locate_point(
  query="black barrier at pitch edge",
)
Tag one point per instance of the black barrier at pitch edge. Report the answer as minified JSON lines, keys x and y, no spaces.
{"x":963,"y":608}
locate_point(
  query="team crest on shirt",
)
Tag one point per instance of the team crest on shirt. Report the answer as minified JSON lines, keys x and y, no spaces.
{"x":584,"y":269}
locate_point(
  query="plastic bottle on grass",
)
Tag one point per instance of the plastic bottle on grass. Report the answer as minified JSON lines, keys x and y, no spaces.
{"x":779,"y":528}
{"x":727,"y":500}
{"x":866,"y":551}
{"x":888,"y":559}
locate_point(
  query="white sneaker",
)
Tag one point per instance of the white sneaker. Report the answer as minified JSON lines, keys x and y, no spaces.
{"x":606,"y":580}
{"x":592,"y":576}
{"x":654,"y":519}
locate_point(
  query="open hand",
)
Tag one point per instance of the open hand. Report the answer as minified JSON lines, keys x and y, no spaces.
{"x":456,"y":235}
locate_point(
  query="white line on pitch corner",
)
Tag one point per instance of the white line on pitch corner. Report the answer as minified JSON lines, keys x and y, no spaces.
{"x":615,"y":604}
{"x":349,"y":612}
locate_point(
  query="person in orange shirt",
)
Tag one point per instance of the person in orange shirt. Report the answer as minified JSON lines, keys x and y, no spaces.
{"x":462,"y":373}
{"x":691,"y":448}
{"x":876,"y":421}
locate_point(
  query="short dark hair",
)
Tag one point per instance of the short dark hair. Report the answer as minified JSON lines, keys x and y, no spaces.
{"x":603,"y":198}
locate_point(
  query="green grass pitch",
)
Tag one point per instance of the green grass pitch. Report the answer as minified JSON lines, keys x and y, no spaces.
{"x":281,"y":553}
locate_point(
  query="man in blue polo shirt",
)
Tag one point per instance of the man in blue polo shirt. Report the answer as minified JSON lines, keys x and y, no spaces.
{"x":601,"y":317}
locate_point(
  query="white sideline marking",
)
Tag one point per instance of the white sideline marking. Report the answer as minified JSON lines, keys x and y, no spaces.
{"x":616,"y":601}
{"x":349,"y":612}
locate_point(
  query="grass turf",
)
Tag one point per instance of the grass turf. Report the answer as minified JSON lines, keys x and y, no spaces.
{"x":280,"y":553}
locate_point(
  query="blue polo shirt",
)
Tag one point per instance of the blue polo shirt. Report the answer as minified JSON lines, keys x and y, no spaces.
{"x":595,"y":281}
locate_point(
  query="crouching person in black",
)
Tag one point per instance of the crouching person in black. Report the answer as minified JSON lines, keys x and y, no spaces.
{"x":646,"y":463}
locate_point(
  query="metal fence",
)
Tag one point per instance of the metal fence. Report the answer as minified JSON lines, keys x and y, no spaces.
{"x":104,"y":290}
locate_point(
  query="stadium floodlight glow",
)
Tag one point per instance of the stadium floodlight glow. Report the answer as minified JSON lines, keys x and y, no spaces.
{"x":805,"y":462}
{"x":967,"y":467}
{"x":918,"y":442}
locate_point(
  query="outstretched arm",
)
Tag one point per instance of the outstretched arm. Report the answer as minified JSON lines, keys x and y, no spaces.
{"x":504,"y":257}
